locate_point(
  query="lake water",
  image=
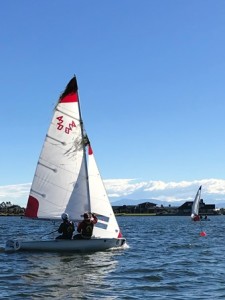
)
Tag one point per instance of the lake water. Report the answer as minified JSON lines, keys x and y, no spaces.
{"x":166,"y":259}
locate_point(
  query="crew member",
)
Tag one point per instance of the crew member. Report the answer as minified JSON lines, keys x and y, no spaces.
{"x":85,"y":227}
{"x":66,"y":228}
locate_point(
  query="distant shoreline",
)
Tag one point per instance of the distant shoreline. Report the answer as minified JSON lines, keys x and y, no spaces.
{"x":158,"y":215}
{"x":11,"y":215}
{"x":126,"y":215}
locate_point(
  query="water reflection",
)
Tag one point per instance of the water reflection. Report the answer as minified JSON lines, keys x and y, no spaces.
{"x":56,"y":275}
{"x":68,"y":275}
{"x":51,"y":275}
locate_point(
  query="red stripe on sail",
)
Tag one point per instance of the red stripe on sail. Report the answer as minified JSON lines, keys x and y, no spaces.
{"x":32,"y":207}
{"x":72,"y":97}
{"x":90,"y":152}
{"x":70,"y":92}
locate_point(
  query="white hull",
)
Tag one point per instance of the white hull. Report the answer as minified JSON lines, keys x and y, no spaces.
{"x":65,"y":245}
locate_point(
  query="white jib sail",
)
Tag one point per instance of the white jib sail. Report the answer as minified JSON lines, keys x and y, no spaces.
{"x":107,"y":225}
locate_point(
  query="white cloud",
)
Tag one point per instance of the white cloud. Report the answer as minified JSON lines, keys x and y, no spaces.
{"x":212,"y":190}
{"x":16,"y":194}
{"x":122,"y":187}
{"x":160,"y":185}
{"x":215,"y":186}
{"x":134,"y":189}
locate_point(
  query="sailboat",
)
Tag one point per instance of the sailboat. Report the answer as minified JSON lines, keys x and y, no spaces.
{"x":195,"y":206}
{"x":67,"y":180}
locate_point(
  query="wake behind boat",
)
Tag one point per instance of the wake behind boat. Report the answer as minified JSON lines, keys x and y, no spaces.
{"x":67,"y":180}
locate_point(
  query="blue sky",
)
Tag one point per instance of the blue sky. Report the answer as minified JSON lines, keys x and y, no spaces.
{"x":151,"y":80}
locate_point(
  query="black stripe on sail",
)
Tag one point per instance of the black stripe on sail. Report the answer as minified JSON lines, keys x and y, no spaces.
{"x":103,"y":218}
{"x":71,"y":87}
{"x":101,"y":225}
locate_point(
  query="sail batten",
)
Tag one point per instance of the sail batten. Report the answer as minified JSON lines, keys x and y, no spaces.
{"x":70,"y":115}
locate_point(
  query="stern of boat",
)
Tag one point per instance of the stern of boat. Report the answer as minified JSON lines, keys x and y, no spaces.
{"x":12,"y":245}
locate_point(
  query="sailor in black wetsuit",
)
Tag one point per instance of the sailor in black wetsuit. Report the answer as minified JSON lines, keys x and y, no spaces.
{"x":66,"y":228}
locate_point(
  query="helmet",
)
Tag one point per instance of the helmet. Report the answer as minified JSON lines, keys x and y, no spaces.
{"x":65,"y":216}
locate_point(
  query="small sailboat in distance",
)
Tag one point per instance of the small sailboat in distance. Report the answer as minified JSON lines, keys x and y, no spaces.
{"x":67,"y":180}
{"x":195,"y":206}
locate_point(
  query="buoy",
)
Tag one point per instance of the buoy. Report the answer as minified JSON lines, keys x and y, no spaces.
{"x":202,"y":233}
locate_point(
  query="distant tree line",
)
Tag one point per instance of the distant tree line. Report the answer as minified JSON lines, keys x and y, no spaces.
{"x":152,"y":208}
{"x":7,"y":208}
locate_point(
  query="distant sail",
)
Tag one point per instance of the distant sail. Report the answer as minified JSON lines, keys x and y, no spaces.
{"x":195,"y":205}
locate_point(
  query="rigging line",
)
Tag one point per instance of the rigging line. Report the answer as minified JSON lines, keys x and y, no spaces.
{"x":84,"y":152}
{"x":48,"y":233}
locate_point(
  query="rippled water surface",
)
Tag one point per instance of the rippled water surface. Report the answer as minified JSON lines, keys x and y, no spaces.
{"x":166,"y":259}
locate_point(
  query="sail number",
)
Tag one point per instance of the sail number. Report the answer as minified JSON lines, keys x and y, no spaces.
{"x":61,"y":126}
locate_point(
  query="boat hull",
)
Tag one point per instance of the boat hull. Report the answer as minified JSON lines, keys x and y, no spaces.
{"x":90,"y":245}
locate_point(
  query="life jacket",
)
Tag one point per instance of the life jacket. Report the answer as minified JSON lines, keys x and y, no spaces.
{"x":87,"y":229}
{"x":67,"y":228}
{"x":196,"y":218}
{"x":70,"y":227}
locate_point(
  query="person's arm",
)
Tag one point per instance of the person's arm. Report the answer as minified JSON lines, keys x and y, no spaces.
{"x":94,"y":219}
{"x":79,"y":227}
{"x":60,"y":230}
{"x":73,"y":226}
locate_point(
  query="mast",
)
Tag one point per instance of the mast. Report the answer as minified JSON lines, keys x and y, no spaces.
{"x":83,"y":146}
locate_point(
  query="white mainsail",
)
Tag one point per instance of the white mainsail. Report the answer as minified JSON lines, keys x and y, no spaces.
{"x":59,"y":181}
{"x":195,"y":205}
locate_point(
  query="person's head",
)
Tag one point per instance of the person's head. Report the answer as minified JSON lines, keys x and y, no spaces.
{"x":65,"y":216}
{"x":86,"y":217}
